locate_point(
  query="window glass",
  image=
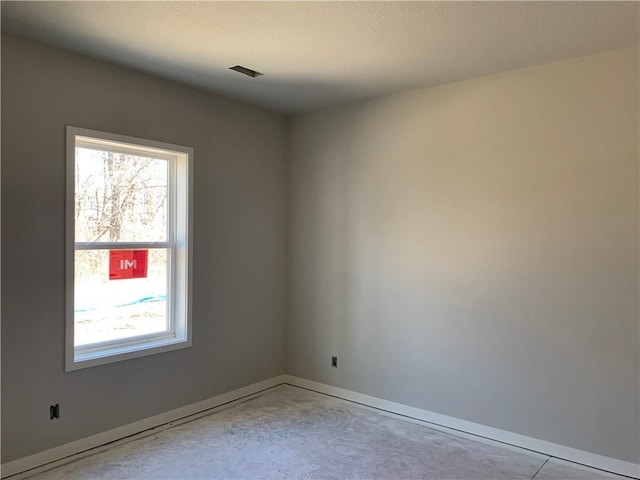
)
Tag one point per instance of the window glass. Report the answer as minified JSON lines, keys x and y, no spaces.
{"x":120,"y":197}
{"x":113,"y":309}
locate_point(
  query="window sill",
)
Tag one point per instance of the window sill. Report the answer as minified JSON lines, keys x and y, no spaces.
{"x":101,"y":356}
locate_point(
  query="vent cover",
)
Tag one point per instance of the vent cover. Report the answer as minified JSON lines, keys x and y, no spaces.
{"x":246,"y":71}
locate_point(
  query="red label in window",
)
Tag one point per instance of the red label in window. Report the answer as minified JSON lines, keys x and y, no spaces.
{"x":127,"y":264}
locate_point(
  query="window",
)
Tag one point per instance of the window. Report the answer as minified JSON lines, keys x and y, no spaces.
{"x":128,"y":247}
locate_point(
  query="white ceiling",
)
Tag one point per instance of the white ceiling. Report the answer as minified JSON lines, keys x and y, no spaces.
{"x":316,"y":54}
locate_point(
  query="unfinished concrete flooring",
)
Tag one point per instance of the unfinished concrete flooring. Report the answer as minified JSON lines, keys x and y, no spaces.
{"x":291,"y":433}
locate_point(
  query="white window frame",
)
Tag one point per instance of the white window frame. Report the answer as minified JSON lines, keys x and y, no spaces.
{"x":180,"y":201}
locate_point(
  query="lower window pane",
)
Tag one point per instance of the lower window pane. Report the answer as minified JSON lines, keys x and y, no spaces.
{"x":125,"y":306}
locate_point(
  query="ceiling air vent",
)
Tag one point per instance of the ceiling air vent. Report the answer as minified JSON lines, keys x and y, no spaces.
{"x":246,"y":71}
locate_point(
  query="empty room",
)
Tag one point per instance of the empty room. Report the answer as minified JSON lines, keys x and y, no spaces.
{"x":320,"y":239}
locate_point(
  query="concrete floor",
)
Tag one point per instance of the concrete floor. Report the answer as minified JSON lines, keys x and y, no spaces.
{"x":291,"y":433}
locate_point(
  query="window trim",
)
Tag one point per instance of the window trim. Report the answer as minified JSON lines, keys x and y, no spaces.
{"x":181,"y":263}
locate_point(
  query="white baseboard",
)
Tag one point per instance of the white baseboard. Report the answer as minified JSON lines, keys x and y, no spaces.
{"x":87,"y":446}
{"x":59,"y":455}
{"x":447,"y":423}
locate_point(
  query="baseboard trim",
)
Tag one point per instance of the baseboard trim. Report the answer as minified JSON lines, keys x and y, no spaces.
{"x":87,"y":446}
{"x":447,"y":423}
{"x":75,"y":450}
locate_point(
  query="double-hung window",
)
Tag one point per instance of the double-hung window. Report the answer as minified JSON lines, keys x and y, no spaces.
{"x":128,"y":247}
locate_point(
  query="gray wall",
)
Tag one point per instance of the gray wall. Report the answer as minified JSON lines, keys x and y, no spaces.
{"x":238,"y":278}
{"x":472,"y":249}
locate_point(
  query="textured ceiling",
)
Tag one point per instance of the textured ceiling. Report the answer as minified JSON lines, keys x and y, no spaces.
{"x":316,"y":54}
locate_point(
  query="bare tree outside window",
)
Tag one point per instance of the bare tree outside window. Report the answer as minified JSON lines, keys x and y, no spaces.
{"x":120,"y":197}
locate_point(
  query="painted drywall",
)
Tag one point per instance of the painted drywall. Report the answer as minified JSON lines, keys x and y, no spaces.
{"x":472,"y":250}
{"x":238,"y":276}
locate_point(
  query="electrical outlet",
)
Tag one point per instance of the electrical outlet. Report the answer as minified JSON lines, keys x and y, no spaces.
{"x":54,"y":411}
{"x":334,"y":362}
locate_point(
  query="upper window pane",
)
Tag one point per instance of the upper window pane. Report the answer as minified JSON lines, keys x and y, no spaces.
{"x":120,"y":197}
